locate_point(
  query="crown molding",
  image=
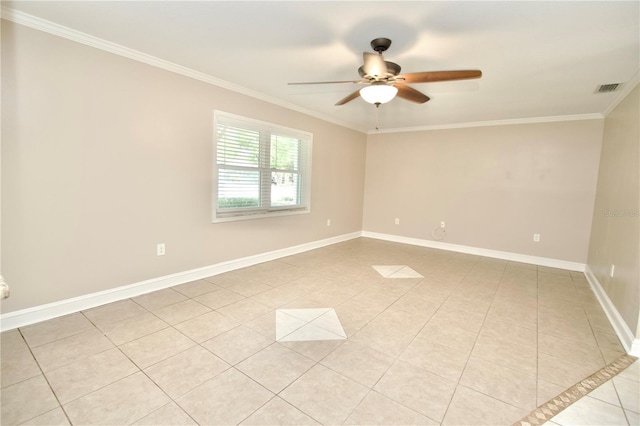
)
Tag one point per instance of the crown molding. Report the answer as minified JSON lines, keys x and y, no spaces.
{"x":508,"y":122}
{"x":44,"y":25}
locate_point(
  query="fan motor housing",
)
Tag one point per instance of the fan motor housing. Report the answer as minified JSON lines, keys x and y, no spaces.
{"x":380,"y":44}
{"x":393,"y":69}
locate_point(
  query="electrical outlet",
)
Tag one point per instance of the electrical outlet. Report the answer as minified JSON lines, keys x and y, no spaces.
{"x":613,"y":270}
{"x":397,"y":221}
{"x":536,"y":238}
{"x":328,"y":222}
{"x":160,"y":249}
{"x":442,"y":224}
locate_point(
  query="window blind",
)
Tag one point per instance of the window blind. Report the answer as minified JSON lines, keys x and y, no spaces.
{"x":261,"y":168}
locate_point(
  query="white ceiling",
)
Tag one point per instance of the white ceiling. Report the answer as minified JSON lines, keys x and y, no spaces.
{"x":539,"y":59}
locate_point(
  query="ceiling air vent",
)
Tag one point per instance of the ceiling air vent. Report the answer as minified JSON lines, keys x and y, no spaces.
{"x":608,"y":88}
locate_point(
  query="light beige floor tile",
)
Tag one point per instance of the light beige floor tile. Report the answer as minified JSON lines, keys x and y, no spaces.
{"x":547,"y":391}
{"x":26,"y":400}
{"x":521,"y":315}
{"x":563,"y":311}
{"x":55,"y":329}
{"x":218,"y":299}
{"x":415,"y":306}
{"x":401,"y":320}
{"x":578,"y":331}
{"x":12,"y":341}
{"x":358,"y":362}
{"x":156,"y":347}
{"x":462,"y":300}
{"x":122,"y":402}
{"x":316,"y":349}
{"x":168,"y":415}
{"x":601,"y":324}
{"x":469,"y":407}
{"x":275,"y":297}
{"x":114,"y":312}
{"x":578,"y":352}
{"x":249,"y":289}
{"x":87,"y":375}
{"x":181,"y":373}
{"x":470,"y":321}
{"x":237,"y":344}
{"x":244,"y":310}
{"x":325,"y":395}
{"x":133,"y":328}
{"x":507,"y":354}
{"x":436,"y":358}
{"x":629,"y":393}
{"x":525,"y":337}
{"x":610,"y":345}
{"x":16,"y":366}
{"x":181,"y":311}
{"x":278,"y":412}
{"x":384,"y":339}
{"x":158,"y":299}
{"x":55,"y":417}
{"x":275,"y":367}
{"x":228,"y":398}
{"x":265,"y":325}
{"x":71,"y":349}
{"x":418,"y":389}
{"x":196,"y":288}
{"x":449,"y":335}
{"x":562,"y":372}
{"x":510,"y":386}
{"x":590,"y":411}
{"x":377,"y":409}
{"x":206,"y":326}
{"x":226,"y":279}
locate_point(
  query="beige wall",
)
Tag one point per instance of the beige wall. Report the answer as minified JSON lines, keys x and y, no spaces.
{"x":494,"y":186}
{"x":104,"y":157}
{"x":615,"y":234}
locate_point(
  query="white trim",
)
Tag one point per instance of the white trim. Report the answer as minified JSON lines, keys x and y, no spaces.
{"x":627,"y":87}
{"x":117,"y":49}
{"x":35,"y":314}
{"x":631,"y":345}
{"x":504,"y":255}
{"x":507,"y":122}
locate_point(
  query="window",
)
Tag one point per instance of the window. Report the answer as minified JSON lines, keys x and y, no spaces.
{"x":261,"y":169}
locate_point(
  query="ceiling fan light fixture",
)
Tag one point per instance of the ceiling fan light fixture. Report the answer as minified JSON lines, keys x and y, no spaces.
{"x":378,"y":93}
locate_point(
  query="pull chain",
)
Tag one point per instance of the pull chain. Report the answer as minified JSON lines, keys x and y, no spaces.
{"x":377,"y":115}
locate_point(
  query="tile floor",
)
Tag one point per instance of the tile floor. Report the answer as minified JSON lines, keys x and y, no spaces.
{"x":460,"y":340}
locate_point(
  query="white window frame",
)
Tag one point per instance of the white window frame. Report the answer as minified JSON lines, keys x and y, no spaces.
{"x":264,"y":211}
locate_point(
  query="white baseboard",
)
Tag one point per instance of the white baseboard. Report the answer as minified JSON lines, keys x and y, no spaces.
{"x":28,"y":316}
{"x":504,"y":255}
{"x":626,"y":336}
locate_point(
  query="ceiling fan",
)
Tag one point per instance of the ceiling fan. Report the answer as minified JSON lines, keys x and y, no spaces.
{"x":384,"y":81}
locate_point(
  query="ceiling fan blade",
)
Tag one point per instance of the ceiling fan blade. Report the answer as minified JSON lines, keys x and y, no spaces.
{"x":432,"y":76}
{"x":410,"y":94}
{"x":326,"y":82}
{"x":348,"y":98}
{"x":374,"y":65}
